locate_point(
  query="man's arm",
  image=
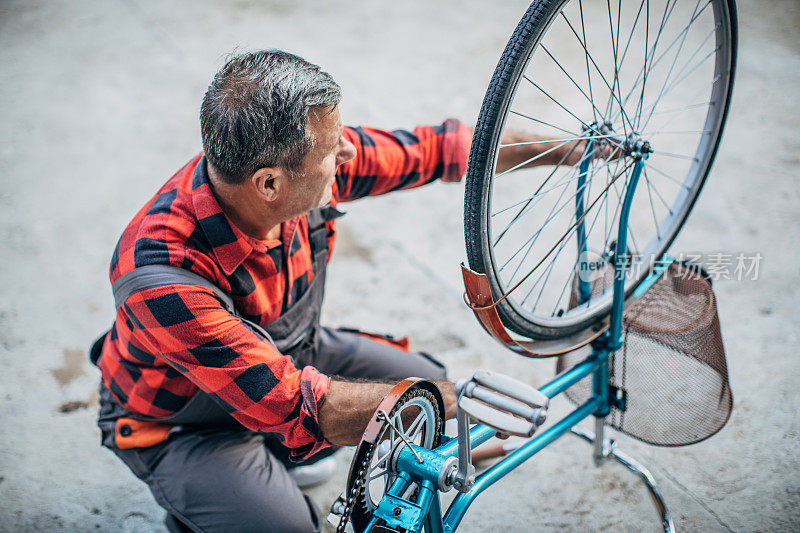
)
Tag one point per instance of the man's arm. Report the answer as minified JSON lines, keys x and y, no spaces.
{"x":523,"y":150}
{"x":389,"y":161}
{"x":349,"y":405}
{"x":265,"y":392}
{"x":393,"y":160}
{"x":214,"y":350}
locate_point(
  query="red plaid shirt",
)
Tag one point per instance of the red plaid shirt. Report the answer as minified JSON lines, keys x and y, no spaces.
{"x":168,"y":342}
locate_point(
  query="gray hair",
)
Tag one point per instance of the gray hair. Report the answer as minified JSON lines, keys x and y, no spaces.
{"x":255,"y":112}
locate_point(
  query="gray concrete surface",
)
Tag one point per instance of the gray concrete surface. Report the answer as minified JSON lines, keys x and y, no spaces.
{"x":98,"y":106}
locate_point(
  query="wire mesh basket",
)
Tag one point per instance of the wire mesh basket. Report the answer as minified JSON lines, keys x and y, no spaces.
{"x":671,"y":369}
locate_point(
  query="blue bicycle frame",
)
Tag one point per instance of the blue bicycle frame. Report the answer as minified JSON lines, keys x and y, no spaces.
{"x":397,"y":512}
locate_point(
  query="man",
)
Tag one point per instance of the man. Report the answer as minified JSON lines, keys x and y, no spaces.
{"x":209,"y":380}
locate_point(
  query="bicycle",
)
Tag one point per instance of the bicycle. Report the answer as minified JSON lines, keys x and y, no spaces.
{"x":628,"y":94}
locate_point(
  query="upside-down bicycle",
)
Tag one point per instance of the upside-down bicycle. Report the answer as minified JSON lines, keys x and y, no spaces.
{"x":572,"y":261}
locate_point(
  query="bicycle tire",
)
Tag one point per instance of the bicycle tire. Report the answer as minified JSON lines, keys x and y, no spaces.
{"x":491,"y":122}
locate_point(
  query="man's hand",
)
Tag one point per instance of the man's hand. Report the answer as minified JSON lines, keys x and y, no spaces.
{"x":523,"y":150}
{"x":349,"y":405}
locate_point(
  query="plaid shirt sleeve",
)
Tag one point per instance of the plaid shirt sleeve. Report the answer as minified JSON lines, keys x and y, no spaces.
{"x":223,"y":357}
{"x":393,"y":160}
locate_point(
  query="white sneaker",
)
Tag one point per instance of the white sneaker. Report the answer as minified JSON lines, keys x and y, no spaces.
{"x":313,"y":474}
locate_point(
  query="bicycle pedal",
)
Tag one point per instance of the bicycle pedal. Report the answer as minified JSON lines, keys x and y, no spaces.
{"x":511,"y":387}
{"x":503,"y":403}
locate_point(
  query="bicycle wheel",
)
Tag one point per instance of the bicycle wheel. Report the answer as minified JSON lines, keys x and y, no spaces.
{"x":612,"y":73}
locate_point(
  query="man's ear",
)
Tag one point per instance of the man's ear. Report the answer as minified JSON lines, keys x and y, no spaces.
{"x":267,"y":183}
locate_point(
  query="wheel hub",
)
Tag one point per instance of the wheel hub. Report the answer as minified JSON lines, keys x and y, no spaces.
{"x":636,"y":147}
{"x":631,"y":146}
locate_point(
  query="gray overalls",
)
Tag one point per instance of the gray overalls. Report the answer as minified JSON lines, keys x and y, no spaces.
{"x":212,"y":473}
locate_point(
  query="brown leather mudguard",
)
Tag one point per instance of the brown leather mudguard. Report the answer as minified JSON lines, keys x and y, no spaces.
{"x":482,"y":303}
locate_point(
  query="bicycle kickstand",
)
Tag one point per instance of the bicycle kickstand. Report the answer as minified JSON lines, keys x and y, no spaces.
{"x":605,"y":449}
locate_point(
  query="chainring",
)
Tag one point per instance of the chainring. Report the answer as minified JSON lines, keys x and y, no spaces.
{"x":360,"y":506}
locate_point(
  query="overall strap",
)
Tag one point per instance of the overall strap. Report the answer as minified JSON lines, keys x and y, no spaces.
{"x":151,"y":276}
{"x":296,"y":328}
{"x":318,"y":232}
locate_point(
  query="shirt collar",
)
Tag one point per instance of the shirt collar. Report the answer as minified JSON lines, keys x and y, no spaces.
{"x":228,"y":243}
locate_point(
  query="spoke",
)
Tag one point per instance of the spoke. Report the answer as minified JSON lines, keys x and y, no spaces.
{"x":531,"y":160}
{"x":538,"y":195}
{"x":678,"y":156}
{"x":542,"y":122}
{"x":655,"y":190}
{"x":651,"y":134}
{"x":607,"y":230}
{"x":666,"y":124}
{"x":674,"y":180}
{"x":685,"y":65}
{"x":588,"y":71}
{"x":605,"y":81}
{"x":705,"y":40}
{"x":529,"y":200}
{"x":712,"y":53}
{"x":532,"y":239}
{"x":638,"y":79}
{"x":649,"y":68}
{"x":609,"y":105}
{"x":575,"y":264}
{"x":544,"y":276}
{"x":702,"y":89}
{"x":556,"y":102}
{"x":563,"y":289}
{"x":671,"y":119}
{"x":653,"y":208}
{"x":561,"y":184}
{"x":522,"y":261}
{"x":672,"y":65}
{"x":643,"y":70}
{"x":552,"y":263}
{"x":530,"y":242}
{"x":685,"y":108}
{"x":588,"y":210}
{"x":630,"y":36}
{"x":595,"y":110}
{"x":633,"y":241}
{"x":614,"y":49}
{"x":550,"y":141}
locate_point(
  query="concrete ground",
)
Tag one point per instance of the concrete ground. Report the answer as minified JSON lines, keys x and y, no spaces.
{"x":99,"y":105}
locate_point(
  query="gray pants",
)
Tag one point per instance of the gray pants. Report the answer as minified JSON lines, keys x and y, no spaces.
{"x":233,"y":479}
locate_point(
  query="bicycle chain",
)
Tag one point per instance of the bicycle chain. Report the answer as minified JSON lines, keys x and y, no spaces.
{"x":350,"y":501}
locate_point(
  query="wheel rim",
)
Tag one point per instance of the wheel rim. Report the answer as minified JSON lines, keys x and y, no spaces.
{"x":662,"y":105}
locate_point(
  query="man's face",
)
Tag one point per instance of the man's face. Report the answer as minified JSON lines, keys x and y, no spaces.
{"x":312,"y":184}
